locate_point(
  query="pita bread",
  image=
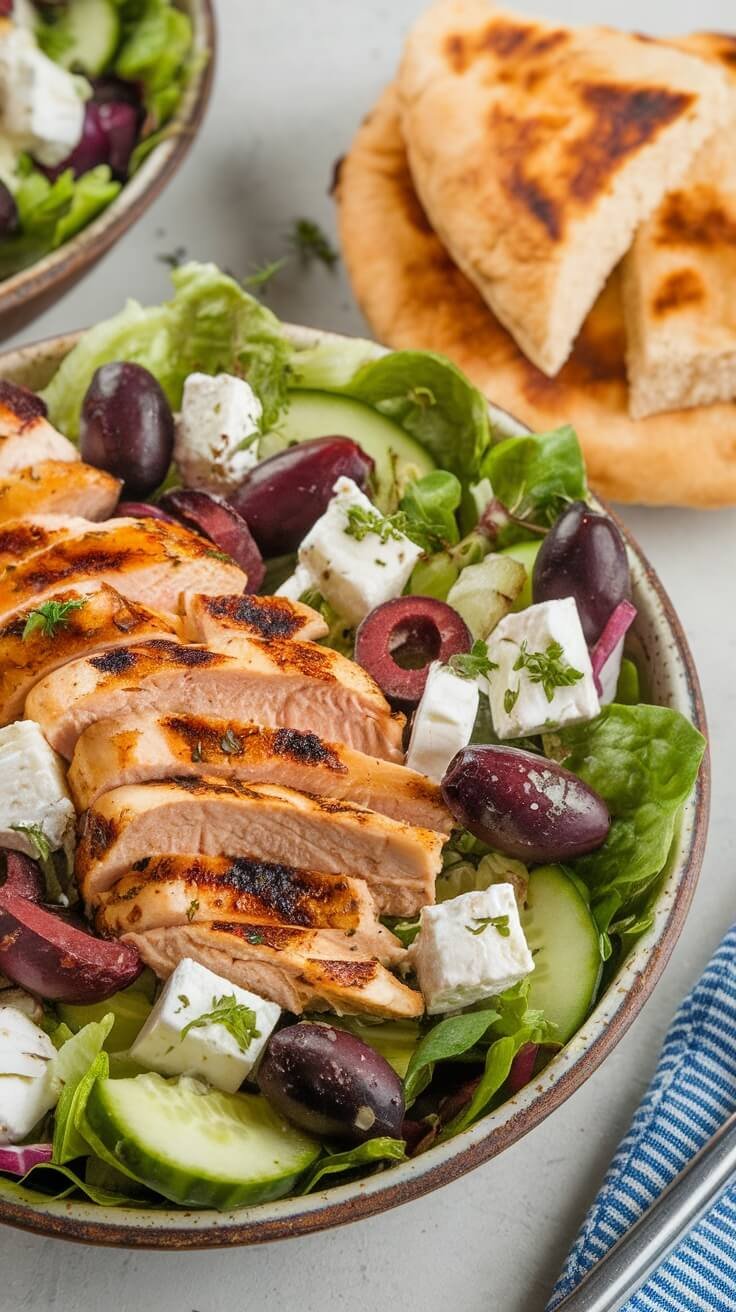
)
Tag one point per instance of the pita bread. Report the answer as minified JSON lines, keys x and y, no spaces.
{"x":680,"y":273}
{"x":414,"y":296}
{"x":536,"y":151}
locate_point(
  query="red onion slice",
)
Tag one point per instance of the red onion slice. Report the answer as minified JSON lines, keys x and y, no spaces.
{"x":18,"y":1160}
{"x":617,"y":626}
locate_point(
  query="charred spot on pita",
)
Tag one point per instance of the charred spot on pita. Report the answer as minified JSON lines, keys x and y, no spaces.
{"x":623,"y":121}
{"x":679,"y":289}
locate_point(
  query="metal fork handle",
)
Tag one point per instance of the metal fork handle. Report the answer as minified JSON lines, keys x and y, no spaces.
{"x":692,"y":1193}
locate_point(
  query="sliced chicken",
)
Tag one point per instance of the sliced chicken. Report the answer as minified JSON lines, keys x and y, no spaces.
{"x":135,"y":749}
{"x":26,"y":435}
{"x":97,"y":620}
{"x":20,"y":538}
{"x":399,"y":862}
{"x":217,"y":620}
{"x":57,"y":487}
{"x":193,"y":890}
{"x":147,"y":560}
{"x":297,"y":968}
{"x":324,"y":692}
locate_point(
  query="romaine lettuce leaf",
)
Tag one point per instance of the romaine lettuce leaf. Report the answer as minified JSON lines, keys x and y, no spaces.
{"x":536,"y":478}
{"x":55,"y":1181}
{"x":210,"y":324}
{"x":448,"y":1039}
{"x":644,"y":761}
{"x":366,"y":1154}
{"x":50,"y":213}
{"x":154,"y":54}
{"x":75,"y":1068}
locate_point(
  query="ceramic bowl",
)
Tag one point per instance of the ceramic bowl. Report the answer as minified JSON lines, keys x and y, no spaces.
{"x":667,"y":666}
{"x":26,"y":294}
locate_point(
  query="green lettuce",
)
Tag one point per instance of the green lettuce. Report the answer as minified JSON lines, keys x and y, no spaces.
{"x":210,"y":324}
{"x":536,"y":478}
{"x":154,"y":53}
{"x":54,"y":1181}
{"x":354,"y":1159}
{"x":643,"y":761}
{"x":75,"y":1068}
{"x":429,"y":504}
{"x":49,"y":213}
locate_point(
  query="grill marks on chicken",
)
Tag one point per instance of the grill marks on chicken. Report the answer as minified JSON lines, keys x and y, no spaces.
{"x":136,"y":749}
{"x":58,"y":487}
{"x":311,"y":688}
{"x":216,"y":621}
{"x":399,"y":862}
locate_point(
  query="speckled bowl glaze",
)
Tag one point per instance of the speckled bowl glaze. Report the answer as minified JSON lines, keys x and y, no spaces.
{"x":672,"y":681}
{"x":26,"y":294}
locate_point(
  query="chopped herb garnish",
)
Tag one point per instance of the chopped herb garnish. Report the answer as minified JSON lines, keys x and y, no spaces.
{"x":50,"y":617}
{"x":184,"y":1000}
{"x":35,"y":834}
{"x":471,"y":664}
{"x":310,"y":243}
{"x":510,"y":698}
{"x":230,"y":744}
{"x":255,"y":938}
{"x":197,"y":751}
{"x":192,"y":909}
{"x":261,"y":277}
{"x":234,"y":1016}
{"x":548,"y":668}
{"x":501,"y":923}
{"x":361,"y":522}
{"x":219,"y":555}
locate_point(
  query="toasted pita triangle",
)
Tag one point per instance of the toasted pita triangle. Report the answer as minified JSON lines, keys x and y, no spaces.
{"x":536,"y":151}
{"x":414,"y":296}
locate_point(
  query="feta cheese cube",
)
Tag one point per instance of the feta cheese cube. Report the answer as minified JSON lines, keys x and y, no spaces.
{"x":210,"y":1051}
{"x":470,"y":947}
{"x":27,"y":1091}
{"x":443,"y":721}
{"x":296,"y":585}
{"x":217,"y":431}
{"x":33,"y":790}
{"x":521,"y":702}
{"x":42,"y":104}
{"x":355,"y":570}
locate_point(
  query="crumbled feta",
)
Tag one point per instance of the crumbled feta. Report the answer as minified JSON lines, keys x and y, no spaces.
{"x":26,"y":1089}
{"x":348,"y":562}
{"x":443,"y":721}
{"x":210,"y":1051}
{"x":33,"y":791}
{"x":470,"y":947}
{"x":296,"y":585}
{"x":520,"y":702}
{"x":217,"y":431}
{"x":42,"y":104}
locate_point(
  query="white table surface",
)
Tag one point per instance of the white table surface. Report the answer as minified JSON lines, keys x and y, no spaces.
{"x":293,"y":80}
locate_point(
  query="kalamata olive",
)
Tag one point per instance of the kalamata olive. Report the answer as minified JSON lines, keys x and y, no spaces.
{"x":331,"y":1084}
{"x":109,"y":89}
{"x":119,"y":122}
{"x":142,"y":510}
{"x":8,"y":212}
{"x":222,"y":524}
{"x":51,"y":954}
{"x":281,"y":497}
{"x":93,"y":147}
{"x":397,"y":642}
{"x":583,"y":556}
{"x":23,"y":877}
{"x":127,"y":427}
{"x":524,"y":805}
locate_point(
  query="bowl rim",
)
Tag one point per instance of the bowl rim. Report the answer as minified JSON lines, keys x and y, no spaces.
{"x":88,"y":245}
{"x":185,"y":1229}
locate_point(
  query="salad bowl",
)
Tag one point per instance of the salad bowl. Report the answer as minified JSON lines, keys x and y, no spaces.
{"x":668,"y":673}
{"x":25,"y":294}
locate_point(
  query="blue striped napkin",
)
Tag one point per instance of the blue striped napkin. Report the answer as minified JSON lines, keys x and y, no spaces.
{"x":692,"y":1093}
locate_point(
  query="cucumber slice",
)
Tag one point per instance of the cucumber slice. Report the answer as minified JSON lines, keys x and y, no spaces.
{"x":88,"y":35}
{"x":567,"y":959}
{"x":319,"y":414}
{"x":195,"y":1145}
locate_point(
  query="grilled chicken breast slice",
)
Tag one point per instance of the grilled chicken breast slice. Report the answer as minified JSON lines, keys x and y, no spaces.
{"x":137,"y":748}
{"x":58,"y":487}
{"x":399,"y":862}
{"x":26,"y":435}
{"x":165,"y":676}
{"x":98,"y":620}
{"x":215,"y":621}
{"x":296,"y":968}
{"x":24,"y":537}
{"x":194,"y":890}
{"x":147,"y":560}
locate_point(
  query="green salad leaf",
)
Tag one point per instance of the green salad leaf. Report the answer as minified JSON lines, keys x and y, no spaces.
{"x":449,"y":1038}
{"x":644,"y":761}
{"x":55,"y":1181}
{"x":210,"y":324}
{"x":536,"y":478}
{"x":75,"y":1067}
{"x":499,"y":1057}
{"x":154,"y":53}
{"x":366,"y":1154}
{"x":50,"y":213}
{"x":394,"y":1039}
{"x":429,"y":505}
